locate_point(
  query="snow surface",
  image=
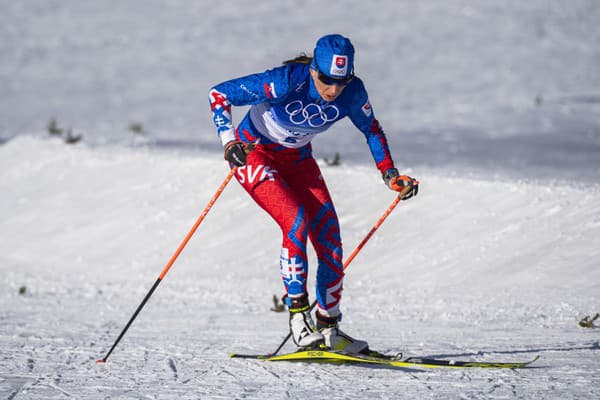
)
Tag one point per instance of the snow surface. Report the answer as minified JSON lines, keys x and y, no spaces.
{"x":494,"y":106}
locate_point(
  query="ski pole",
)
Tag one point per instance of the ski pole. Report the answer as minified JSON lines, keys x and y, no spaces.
{"x":356,"y":251}
{"x":372,"y":231}
{"x":172,"y":260}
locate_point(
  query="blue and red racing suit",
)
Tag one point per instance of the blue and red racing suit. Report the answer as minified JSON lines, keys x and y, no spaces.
{"x":281,"y":175}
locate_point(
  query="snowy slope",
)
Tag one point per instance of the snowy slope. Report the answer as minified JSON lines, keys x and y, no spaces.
{"x":470,"y":269}
{"x":494,"y":106}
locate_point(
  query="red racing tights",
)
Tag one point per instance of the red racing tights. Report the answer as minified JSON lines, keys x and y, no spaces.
{"x":288,"y":185}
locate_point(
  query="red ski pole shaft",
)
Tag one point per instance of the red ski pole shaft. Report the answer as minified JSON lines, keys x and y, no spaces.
{"x":172,"y":261}
{"x":375,"y":227}
{"x":198,"y":222}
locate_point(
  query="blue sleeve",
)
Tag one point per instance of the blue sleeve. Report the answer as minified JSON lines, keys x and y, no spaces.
{"x":256,"y":88}
{"x":362,"y":116}
{"x":247,"y":90}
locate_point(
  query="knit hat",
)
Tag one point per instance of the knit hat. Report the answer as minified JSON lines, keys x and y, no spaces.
{"x":334,"y":56}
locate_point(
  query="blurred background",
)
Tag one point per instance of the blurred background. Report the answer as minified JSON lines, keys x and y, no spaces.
{"x":507,"y":88}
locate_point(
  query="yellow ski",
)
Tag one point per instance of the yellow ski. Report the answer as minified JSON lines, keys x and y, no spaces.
{"x":334,"y":356}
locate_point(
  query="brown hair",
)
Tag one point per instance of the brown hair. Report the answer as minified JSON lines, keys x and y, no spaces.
{"x":301,"y":58}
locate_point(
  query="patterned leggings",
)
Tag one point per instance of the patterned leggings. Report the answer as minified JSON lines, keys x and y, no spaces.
{"x":288,"y":185}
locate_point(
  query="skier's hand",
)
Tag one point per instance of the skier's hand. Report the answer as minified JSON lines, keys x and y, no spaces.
{"x":235,"y":153}
{"x":399,"y":183}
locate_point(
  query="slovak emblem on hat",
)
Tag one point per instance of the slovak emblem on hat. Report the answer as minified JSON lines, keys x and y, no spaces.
{"x":339,"y":65}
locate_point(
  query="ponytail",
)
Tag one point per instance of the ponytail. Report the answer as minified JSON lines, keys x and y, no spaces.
{"x":301,"y":58}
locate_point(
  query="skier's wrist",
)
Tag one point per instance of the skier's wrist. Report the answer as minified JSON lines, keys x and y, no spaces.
{"x":227,"y":136}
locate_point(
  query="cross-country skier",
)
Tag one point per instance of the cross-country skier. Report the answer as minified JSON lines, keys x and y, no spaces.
{"x":290,"y":105}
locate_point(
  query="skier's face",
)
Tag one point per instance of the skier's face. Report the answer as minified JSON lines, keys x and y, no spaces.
{"x":328,"y":92}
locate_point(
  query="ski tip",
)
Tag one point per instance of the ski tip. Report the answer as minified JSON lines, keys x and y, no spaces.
{"x":536,"y":358}
{"x":101,"y":361}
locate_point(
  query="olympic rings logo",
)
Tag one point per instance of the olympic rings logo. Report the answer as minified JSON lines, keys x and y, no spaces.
{"x":313,"y":114}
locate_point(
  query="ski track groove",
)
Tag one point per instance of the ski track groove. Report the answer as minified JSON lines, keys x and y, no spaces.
{"x":173,"y":367}
{"x":261,"y":366}
{"x":56,"y":387}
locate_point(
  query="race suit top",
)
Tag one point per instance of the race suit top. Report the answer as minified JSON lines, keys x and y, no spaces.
{"x":286,"y":109}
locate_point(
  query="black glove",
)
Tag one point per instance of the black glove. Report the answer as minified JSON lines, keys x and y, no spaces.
{"x":235,"y":153}
{"x":398,"y":183}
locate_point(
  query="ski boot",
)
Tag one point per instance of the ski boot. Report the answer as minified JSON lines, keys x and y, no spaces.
{"x":302,"y":327}
{"x":336,"y":339}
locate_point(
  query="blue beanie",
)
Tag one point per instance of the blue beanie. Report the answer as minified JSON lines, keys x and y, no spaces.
{"x":334,"y":56}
